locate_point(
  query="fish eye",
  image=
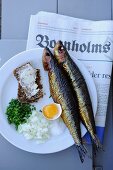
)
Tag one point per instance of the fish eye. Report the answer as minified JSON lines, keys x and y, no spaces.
{"x":47,"y":54}
{"x":60,"y":50}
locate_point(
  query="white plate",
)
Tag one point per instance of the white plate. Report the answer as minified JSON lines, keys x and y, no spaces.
{"x":8,"y":90}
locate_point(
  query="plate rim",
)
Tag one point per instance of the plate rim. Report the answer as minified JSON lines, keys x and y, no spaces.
{"x":2,"y":68}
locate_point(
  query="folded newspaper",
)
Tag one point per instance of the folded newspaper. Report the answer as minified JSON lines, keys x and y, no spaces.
{"x":91,"y":42}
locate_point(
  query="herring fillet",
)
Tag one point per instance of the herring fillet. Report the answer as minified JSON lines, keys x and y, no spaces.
{"x":80,"y":89}
{"x":62,"y":94}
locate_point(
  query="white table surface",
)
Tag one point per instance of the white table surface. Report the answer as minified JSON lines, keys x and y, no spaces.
{"x":16,"y":13}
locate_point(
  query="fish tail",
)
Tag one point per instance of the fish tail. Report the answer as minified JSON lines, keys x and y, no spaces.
{"x":82,"y":152}
{"x":96,"y":144}
{"x":87,"y":152}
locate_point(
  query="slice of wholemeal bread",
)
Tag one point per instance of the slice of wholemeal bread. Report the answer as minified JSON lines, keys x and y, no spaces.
{"x":27,"y":78}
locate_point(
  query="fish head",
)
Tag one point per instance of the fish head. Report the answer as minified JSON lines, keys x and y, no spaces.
{"x":60,"y":52}
{"x":47,"y":59}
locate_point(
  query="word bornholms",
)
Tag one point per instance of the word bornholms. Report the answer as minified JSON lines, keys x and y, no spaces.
{"x":89,"y":47}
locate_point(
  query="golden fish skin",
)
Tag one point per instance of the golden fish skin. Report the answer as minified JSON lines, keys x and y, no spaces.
{"x":62,"y":94}
{"x":80,"y":89}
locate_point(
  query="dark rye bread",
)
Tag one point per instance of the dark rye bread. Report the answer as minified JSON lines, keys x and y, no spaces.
{"x":21,"y":93}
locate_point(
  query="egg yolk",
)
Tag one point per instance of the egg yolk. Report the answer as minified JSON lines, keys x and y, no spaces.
{"x":50,"y":111}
